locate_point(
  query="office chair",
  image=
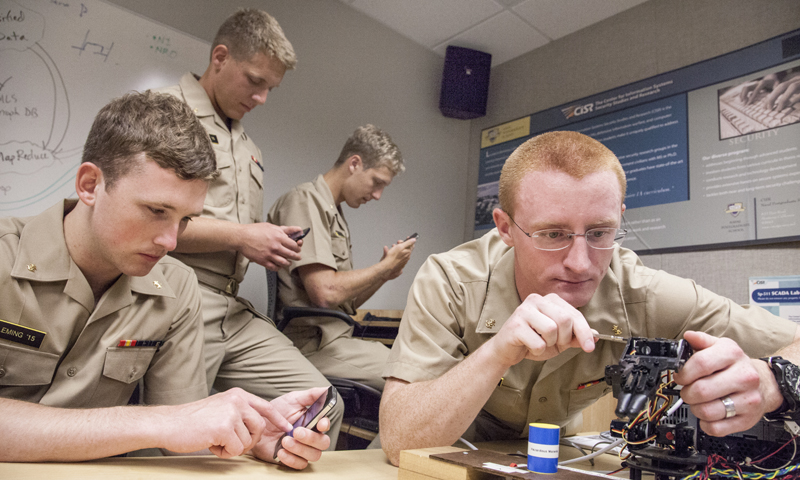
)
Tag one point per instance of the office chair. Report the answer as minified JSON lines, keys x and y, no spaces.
{"x":361,"y":402}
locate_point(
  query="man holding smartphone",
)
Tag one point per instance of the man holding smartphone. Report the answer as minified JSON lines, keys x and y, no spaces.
{"x":324,"y":277}
{"x":249,"y":57}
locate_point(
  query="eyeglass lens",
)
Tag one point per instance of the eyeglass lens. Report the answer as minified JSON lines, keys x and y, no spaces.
{"x":597,"y":238}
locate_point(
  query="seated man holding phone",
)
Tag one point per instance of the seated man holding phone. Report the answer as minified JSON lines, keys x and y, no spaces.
{"x":325,"y":276}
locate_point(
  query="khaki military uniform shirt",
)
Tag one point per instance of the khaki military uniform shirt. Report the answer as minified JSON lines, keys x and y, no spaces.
{"x":58,"y":348}
{"x":311,"y":204}
{"x":242,"y":347}
{"x":236,"y":195}
{"x":460,"y":298}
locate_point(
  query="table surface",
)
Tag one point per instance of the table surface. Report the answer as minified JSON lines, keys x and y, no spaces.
{"x":348,"y":464}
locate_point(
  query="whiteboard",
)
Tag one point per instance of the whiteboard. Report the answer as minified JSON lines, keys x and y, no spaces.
{"x":60,"y":62}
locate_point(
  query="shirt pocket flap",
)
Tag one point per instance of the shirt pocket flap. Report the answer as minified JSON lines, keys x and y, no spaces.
{"x":257,"y":173}
{"x":339,"y":247}
{"x":127,"y":364}
{"x":505,"y":403}
{"x":581,"y":398}
{"x":21,"y":367}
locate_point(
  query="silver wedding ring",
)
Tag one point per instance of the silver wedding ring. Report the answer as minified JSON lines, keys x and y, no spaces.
{"x":730,"y":408}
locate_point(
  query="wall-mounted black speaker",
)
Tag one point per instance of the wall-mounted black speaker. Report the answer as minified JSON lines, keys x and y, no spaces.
{"x":465,"y":83}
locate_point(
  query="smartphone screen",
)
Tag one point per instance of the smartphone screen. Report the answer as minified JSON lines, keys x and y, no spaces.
{"x":413,"y":235}
{"x":298,"y":235}
{"x":312,"y":415}
{"x":316,"y":411}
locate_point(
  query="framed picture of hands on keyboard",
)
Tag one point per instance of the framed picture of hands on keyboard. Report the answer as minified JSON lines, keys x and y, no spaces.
{"x":711,"y":150}
{"x":759,"y":104}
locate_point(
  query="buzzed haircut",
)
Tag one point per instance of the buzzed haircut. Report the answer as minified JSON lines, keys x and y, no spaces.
{"x":573,"y":153}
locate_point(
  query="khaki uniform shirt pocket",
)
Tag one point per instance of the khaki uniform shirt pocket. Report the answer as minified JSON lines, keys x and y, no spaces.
{"x":505,"y":403}
{"x":580,"y":399}
{"x":127,"y":364}
{"x":23,"y":367}
{"x":256,"y":192}
{"x":340,"y":250}
{"x":221,"y":191}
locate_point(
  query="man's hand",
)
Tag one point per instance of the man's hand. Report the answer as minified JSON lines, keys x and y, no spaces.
{"x":269,"y":245}
{"x":397,"y":256}
{"x":718,"y":369}
{"x":751,"y":90}
{"x":781,"y":95}
{"x":228,"y":424}
{"x":540,"y":329}
{"x":306,"y":445}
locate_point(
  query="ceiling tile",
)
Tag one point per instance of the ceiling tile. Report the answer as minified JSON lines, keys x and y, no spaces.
{"x":427,"y":22}
{"x":557,"y":18}
{"x":505,"y":36}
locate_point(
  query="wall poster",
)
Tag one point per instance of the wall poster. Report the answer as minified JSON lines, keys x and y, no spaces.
{"x":711,"y":151}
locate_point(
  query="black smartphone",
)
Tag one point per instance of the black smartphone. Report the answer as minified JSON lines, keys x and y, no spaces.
{"x":413,"y":235}
{"x":296,"y":236}
{"x":312,"y":415}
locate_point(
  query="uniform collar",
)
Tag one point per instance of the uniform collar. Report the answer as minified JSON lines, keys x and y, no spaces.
{"x":197,"y":98}
{"x":42,"y":253}
{"x":324,"y":190}
{"x":42,"y":256}
{"x":606,"y":311}
{"x":502,"y":297}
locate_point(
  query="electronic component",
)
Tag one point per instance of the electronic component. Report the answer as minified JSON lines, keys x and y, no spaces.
{"x":672,"y":445}
{"x":638,"y":375}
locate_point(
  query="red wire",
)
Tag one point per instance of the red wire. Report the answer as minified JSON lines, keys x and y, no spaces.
{"x":776,"y":451}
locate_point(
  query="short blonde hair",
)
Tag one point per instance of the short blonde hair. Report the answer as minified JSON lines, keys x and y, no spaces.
{"x":250,"y":31}
{"x":375,"y":147}
{"x":573,"y":153}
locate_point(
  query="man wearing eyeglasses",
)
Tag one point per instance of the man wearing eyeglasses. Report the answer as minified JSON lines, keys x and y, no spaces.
{"x":511,"y":315}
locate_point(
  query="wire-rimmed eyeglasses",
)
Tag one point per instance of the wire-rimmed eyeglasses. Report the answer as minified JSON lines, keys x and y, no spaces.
{"x":550,"y":240}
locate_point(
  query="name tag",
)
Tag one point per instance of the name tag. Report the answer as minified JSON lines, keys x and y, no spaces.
{"x":19,"y":334}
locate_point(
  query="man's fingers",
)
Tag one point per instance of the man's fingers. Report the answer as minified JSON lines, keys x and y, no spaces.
{"x":324,"y":425}
{"x":307,"y":444}
{"x":699,"y":340}
{"x":290,"y":460}
{"x":245,"y":437}
{"x":573,"y":329}
{"x":312,"y":443}
{"x":534,"y":310}
{"x":533,"y":341}
{"x":255,"y":425}
{"x":266,"y":410}
{"x":308,"y":397}
{"x":230,"y":446}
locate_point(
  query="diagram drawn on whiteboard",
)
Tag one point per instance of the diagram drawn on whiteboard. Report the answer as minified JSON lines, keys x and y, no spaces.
{"x":60,"y":62}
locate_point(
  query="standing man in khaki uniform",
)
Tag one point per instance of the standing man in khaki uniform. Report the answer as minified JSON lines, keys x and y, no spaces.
{"x":324,"y":277}
{"x":91,"y":305}
{"x":249,"y":57}
{"x":511,"y":315}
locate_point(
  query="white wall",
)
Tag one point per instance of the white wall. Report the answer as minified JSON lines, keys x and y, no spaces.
{"x":351,"y":71}
{"x":652,"y":38}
